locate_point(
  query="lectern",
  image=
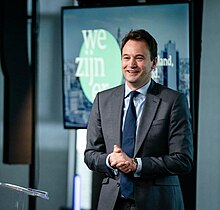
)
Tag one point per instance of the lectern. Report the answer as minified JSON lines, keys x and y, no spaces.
{"x":12,"y":197}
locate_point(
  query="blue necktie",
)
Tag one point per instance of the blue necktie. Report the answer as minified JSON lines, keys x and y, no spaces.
{"x":128,"y":141}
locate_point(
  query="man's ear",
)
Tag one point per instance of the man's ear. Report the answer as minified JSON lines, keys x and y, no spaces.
{"x":154,"y":63}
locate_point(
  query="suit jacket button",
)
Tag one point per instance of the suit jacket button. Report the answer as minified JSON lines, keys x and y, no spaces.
{"x":118,"y":184}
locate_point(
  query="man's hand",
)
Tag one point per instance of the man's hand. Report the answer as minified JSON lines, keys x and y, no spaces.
{"x":118,"y":159}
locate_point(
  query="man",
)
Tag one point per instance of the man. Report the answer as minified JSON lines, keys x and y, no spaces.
{"x":163,"y":147}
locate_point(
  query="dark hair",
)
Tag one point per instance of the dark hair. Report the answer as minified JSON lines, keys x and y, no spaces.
{"x":141,"y":35}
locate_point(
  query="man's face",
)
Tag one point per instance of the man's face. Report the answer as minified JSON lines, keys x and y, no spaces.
{"x":136,"y":63}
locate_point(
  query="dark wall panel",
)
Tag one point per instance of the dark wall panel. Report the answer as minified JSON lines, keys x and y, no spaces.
{"x":18,"y":89}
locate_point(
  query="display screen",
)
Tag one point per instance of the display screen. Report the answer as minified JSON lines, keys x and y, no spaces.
{"x":91,"y":57}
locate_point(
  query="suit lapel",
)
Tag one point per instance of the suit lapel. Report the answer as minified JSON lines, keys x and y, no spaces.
{"x":149,"y":110}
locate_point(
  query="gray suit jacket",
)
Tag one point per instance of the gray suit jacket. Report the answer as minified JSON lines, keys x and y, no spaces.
{"x":164,"y":144}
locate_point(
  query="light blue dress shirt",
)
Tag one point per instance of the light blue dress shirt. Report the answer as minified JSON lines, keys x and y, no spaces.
{"x":138,"y":103}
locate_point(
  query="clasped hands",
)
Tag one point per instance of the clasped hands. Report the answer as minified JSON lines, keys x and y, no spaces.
{"x":119,"y":160}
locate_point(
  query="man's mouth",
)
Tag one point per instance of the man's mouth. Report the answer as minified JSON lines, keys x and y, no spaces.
{"x":132,"y":71}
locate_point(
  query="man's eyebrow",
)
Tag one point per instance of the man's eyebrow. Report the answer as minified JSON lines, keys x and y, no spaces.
{"x":135,"y":55}
{"x":125,"y":54}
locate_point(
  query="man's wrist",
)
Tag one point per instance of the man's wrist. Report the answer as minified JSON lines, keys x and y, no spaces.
{"x":135,"y":162}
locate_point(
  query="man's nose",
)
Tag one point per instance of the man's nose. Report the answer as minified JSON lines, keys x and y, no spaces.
{"x":133,"y":63}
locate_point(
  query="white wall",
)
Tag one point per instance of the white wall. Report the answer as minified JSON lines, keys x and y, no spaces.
{"x":208,"y":179}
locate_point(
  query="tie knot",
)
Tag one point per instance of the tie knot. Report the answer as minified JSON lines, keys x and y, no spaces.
{"x":133,"y":94}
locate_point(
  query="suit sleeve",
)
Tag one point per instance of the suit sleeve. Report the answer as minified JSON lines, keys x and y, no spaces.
{"x":95,"y":153}
{"x":179,"y":159}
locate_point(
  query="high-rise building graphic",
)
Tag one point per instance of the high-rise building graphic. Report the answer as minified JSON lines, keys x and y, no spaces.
{"x":76,"y":106}
{"x":172,"y":70}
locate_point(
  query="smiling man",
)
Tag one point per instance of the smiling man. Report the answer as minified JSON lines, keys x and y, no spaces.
{"x":137,"y":63}
{"x":139,"y":135}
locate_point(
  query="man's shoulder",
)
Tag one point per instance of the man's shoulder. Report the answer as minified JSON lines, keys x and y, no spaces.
{"x":162,"y":89}
{"x":109,"y":97}
{"x":166,"y":94}
{"x":114,"y":90}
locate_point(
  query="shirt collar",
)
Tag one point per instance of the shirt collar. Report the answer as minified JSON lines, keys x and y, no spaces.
{"x":141,"y":90}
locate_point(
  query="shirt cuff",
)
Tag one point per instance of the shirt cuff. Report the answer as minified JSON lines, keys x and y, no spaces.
{"x":114,"y":170}
{"x":137,"y":173}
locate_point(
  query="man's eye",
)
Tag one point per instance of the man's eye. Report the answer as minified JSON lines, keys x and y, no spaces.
{"x":139,"y":58}
{"x":126,"y":58}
